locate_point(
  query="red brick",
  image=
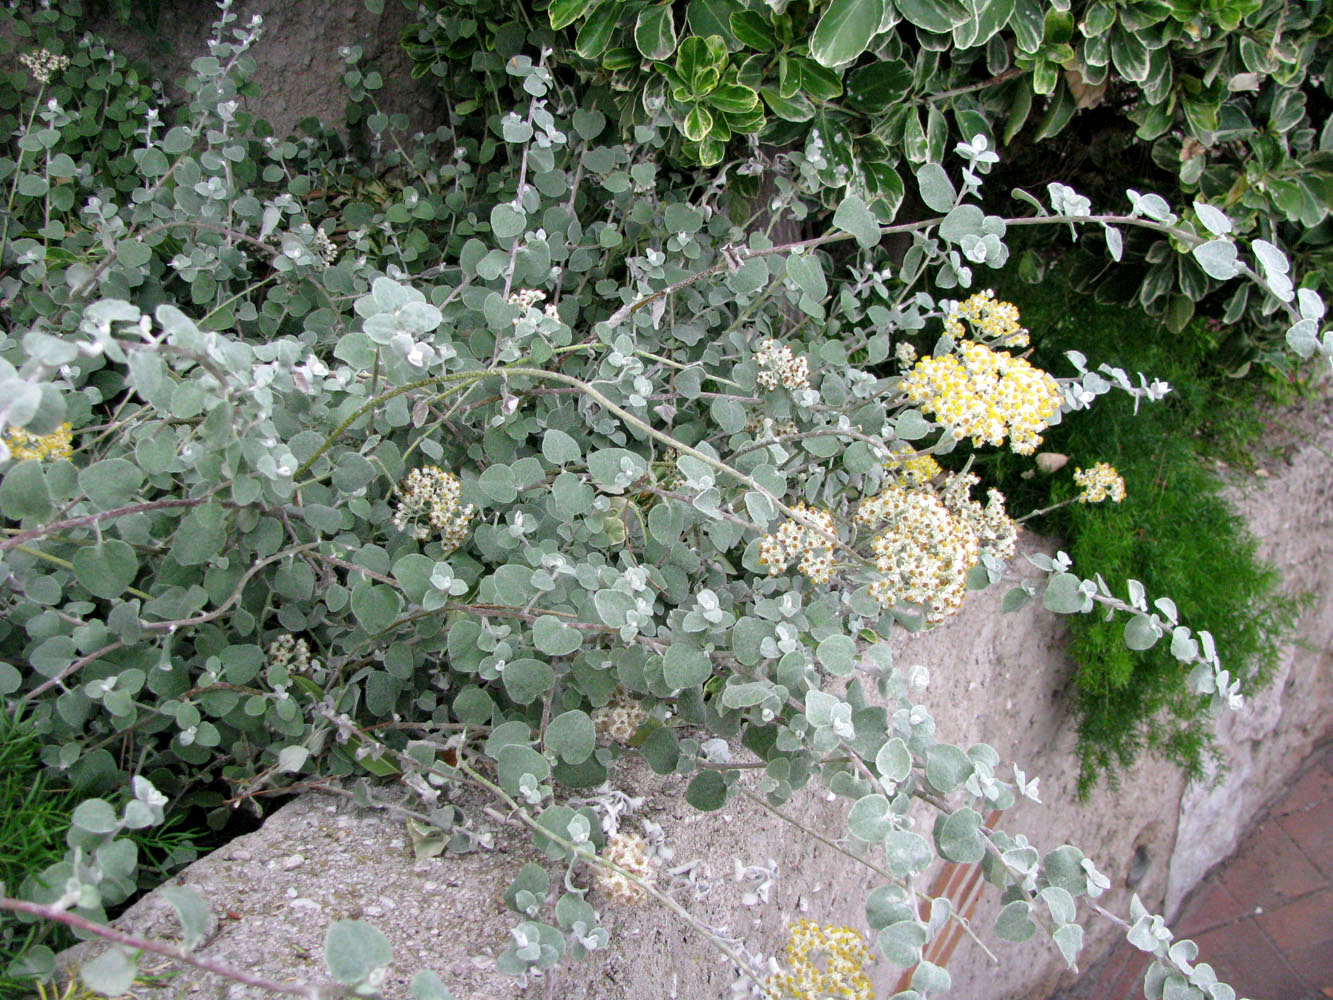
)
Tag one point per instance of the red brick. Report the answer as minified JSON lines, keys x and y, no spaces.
{"x":1312,"y":831}
{"x":1315,"y":967}
{"x":1242,"y":956}
{"x":1310,"y":789}
{"x":1303,"y":923}
{"x":1210,"y":905}
{"x":1270,"y":870}
{"x":1129,"y":984}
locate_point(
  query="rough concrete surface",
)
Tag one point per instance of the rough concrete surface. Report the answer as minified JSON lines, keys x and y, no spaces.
{"x":997,"y":677}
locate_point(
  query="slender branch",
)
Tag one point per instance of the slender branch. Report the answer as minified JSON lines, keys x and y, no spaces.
{"x":14,"y":541}
{"x":174,"y":952}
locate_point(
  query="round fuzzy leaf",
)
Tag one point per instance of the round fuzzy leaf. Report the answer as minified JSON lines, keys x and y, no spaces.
{"x":661,"y":750}
{"x":192,"y":911}
{"x":901,"y":943}
{"x":515,"y":761}
{"x":24,"y":492}
{"x":353,"y":949}
{"x":907,"y":853}
{"x":427,"y":985}
{"x":1218,"y":258}
{"x":374,"y":605}
{"x":112,"y":482}
{"x":94,"y":816}
{"x":947,"y":767}
{"x":498,"y":483}
{"x":507,"y":221}
{"x":1063,"y":595}
{"x":685,"y":666}
{"x":527,"y":680}
{"x":1014,"y":922}
{"x":559,"y":448}
{"x":572,"y":736}
{"x":110,"y":973}
{"x":845,"y":30}
{"x":959,"y":837}
{"x":894,"y":760}
{"x":870,"y":819}
{"x":855,"y":217}
{"x":707,"y":792}
{"x":105,"y":570}
{"x":837,"y":655}
{"x":553,"y":637}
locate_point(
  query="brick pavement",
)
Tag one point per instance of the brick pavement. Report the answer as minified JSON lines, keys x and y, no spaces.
{"x":1264,"y":917}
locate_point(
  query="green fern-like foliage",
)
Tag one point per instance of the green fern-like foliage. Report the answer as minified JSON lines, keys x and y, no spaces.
{"x":1176,"y":533}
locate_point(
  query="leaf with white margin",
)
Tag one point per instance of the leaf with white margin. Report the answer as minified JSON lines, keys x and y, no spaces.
{"x":1303,"y":337}
{"x":1214,"y":220}
{"x":1217,"y":258}
{"x":1310,"y":304}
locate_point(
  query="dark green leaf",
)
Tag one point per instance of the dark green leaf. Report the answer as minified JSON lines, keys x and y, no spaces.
{"x":845,"y":30}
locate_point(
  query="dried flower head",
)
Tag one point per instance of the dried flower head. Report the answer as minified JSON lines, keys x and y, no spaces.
{"x":628,"y":851}
{"x":618,"y":719}
{"x":428,"y":502}
{"x":823,"y":962}
{"x":1099,"y":483}
{"x":43,"y":447}
{"x":794,"y":541}
{"x":43,"y":64}
{"x":778,"y":364}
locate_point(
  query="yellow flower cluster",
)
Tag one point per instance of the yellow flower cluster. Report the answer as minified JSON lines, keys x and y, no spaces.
{"x":985,"y":395}
{"x":794,"y":541}
{"x":823,"y":962}
{"x":619,"y":718}
{"x":924,"y":555}
{"x":428,"y":501}
{"x":24,"y":445}
{"x":778,"y":364}
{"x":1099,"y":483}
{"x":914,"y":471}
{"x":43,"y":63}
{"x":991,"y":318}
{"x":629,"y":851}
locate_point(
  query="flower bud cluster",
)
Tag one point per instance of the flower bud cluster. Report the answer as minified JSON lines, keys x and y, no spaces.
{"x":327,"y":250}
{"x":43,"y":64}
{"x":288,"y":651}
{"x":778,"y":364}
{"x":764,"y":428}
{"x":823,"y":962}
{"x":628,"y":851}
{"x":1100,"y":483}
{"x":985,"y":395}
{"x":794,"y":541}
{"x":428,"y":501}
{"x":24,"y":445}
{"x":997,"y":534}
{"x":991,"y":319}
{"x":527,"y":298}
{"x":619,"y":718}
{"x":905,"y":353}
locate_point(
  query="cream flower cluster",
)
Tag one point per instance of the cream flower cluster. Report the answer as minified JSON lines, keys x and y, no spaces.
{"x":629,"y":851}
{"x":763,"y":427}
{"x":43,"y":447}
{"x":924,"y":554}
{"x":43,"y":64}
{"x":991,"y":319}
{"x":823,"y":962}
{"x":778,"y":364}
{"x":985,"y":395}
{"x":290,"y":652}
{"x":997,"y":534}
{"x":619,"y":718}
{"x":1100,"y":483}
{"x":794,"y":541}
{"x":428,"y":502}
